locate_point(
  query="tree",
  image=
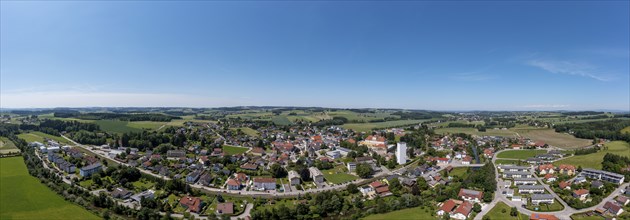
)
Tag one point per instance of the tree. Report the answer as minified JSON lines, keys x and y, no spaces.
{"x":364,"y":170}
{"x":352,"y":188}
{"x":579,"y":168}
{"x":513,"y":211}
{"x":395,"y":186}
{"x":391,"y":163}
{"x":477,"y":207}
{"x":278,"y":171}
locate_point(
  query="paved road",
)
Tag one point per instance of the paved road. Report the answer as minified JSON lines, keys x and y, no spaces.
{"x":248,"y":209}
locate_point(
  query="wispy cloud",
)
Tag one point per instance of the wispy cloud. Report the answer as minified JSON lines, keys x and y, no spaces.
{"x":479,"y":75}
{"x":569,"y":68}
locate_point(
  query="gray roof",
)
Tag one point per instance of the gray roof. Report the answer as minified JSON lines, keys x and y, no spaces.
{"x":516,"y":173}
{"x":513,"y":167}
{"x":602,"y":172}
{"x":525,"y":179}
{"x":531,"y":187}
{"x":91,"y":166}
{"x":541,"y":196}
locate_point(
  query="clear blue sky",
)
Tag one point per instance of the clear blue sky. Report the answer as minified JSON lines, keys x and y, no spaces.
{"x":420,"y":55}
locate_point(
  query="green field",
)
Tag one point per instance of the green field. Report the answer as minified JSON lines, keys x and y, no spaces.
{"x":411,"y":213}
{"x":473,"y":131}
{"x":582,"y":216}
{"x":231,"y":150}
{"x":461,"y":172}
{"x":248,"y":131}
{"x":625,"y":130}
{"x":595,"y":160}
{"x":7,"y":146}
{"x":520,"y":154}
{"x":281,"y":120}
{"x":503,"y":161}
{"x":337,"y":178}
{"x":377,"y":125}
{"x":39,"y":136}
{"x":24,"y":197}
{"x":497,"y":213}
{"x":551,"y":137}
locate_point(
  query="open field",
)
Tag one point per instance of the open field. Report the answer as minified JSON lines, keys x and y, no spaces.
{"x":7,"y":146}
{"x":338,"y":178}
{"x":231,"y":150}
{"x":473,"y":131}
{"x":502,"y":161}
{"x":24,"y":197}
{"x":361,"y":117}
{"x":461,"y":172}
{"x":594,"y":160}
{"x":39,"y":136}
{"x":582,"y":216}
{"x":410,"y":213}
{"x":116,"y":126}
{"x":625,"y":130}
{"x":281,"y":120}
{"x":553,"y":138}
{"x":497,"y":213}
{"x":376,"y":125}
{"x":248,"y":131}
{"x":520,"y":154}
{"x":146,"y":125}
{"x":446,"y":123}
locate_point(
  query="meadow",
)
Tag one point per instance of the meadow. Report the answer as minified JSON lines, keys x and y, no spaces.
{"x":7,"y":146}
{"x":520,"y":154}
{"x":410,"y":213}
{"x":497,"y":212}
{"x":366,"y":127}
{"x":39,"y":137}
{"x":473,"y":131}
{"x":594,"y":160}
{"x":553,"y":138}
{"x":231,"y":150}
{"x":248,"y":131}
{"x":24,"y":197}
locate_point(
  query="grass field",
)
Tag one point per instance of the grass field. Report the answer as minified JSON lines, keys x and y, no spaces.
{"x":338,"y":178}
{"x":582,"y":216}
{"x":554,"y":138}
{"x":231,"y":150}
{"x":520,"y":154}
{"x":595,"y":160}
{"x":281,"y":120}
{"x":461,"y":172}
{"x":39,"y":136}
{"x":24,"y":197}
{"x":248,"y":131}
{"x":502,"y":161}
{"x":497,"y":213}
{"x":473,"y":131}
{"x":376,"y":125}
{"x":411,"y":213}
{"x":7,"y":146}
{"x":625,"y":130}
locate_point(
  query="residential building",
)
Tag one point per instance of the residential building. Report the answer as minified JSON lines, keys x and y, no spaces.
{"x":352,"y":166}
{"x":466,"y":160}
{"x":191,"y":204}
{"x":88,"y":170}
{"x":264,"y":183}
{"x":612,"y":208}
{"x":175,"y":153}
{"x":550,"y":177}
{"x":581,"y":194}
{"x":333,"y":154}
{"x":597,"y":184}
{"x":121,"y":193}
{"x":512,"y":168}
{"x":470,"y":195}
{"x":233,"y":184}
{"x":146,"y":194}
{"x":545,"y":169}
{"x":566,"y":169}
{"x":401,"y":152}
{"x":508,"y":192}
{"x":622,"y":200}
{"x":537,"y":189}
{"x":226,"y":208}
{"x":579,"y":179}
{"x":537,"y":199}
{"x":525,"y":181}
{"x":462,"y":211}
{"x":193,"y":176}
{"x":316,"y":175}
{"x":516,"y":174}
{"x":294,"y":177}
{"x":603,"y":175}
{"x":447,"y":207}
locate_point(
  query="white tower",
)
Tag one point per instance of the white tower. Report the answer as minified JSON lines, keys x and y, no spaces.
{"x":401,"y":152}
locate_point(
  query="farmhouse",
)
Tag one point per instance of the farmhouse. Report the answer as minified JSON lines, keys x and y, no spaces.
{"x":462,"y":211}
{"x":447,"y":207}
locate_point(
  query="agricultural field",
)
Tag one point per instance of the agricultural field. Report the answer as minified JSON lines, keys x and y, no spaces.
{"x":24,"y":197}
{"x":231,"y":150}
{"x":7,"y":146}
{"x":553,"y":138}
{"x":410,"y":213}
{"x":473,"y":131}
{"x":446,"y":123}
{"x":502,"y":211}
{"x":116,"y":126}
{"x":366,"y":127}
{"x":520,"y":154}
{"x":504,"y":161}
{"x":248,"y":131}
{"x":594,"y":160}
{"x":625,"y":130}
{"x":39,"y":137}
{"x":281,"y":120}
{"x":361,"y":117}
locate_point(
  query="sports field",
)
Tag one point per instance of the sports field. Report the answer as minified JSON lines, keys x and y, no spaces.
{"x":520,"y":154}
{"x":411,"y":213}
{"x":24,"y":197}
{"x":594,"y":160}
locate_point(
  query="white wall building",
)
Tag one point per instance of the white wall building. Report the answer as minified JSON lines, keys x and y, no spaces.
{"x":401,"y":152}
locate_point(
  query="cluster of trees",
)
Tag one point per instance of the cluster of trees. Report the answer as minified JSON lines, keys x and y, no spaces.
{"x":616,"y":164}
{"x":54,"y":127}
{"x":483,"y":178}
{"x":337,"y":120}
{"x":585,"y":151}
{"x":609,"y":129}
{"x":117,"y":116}
{"x":86,"y":137}
{"x":416,"y":115}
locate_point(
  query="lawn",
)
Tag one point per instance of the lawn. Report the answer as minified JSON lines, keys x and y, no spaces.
{"x":503,"y":161}
{"x":231,"y":150}
{"x":338,"y":178}
{"x":377,"y":125}
{"x":24,"y":197}
{"x":556,"y":206}
{"x":39,"y":137}
{"x":497,"y":213}
{"x":582,"y":216}
{"x":461,"y":172}
{"x":7,"y":146}
{"x":554,"y":138}
{"x":143,"y":184}
{"x":594,"y":160}
{"x":411,"y":213}
{"x":520,"y":154}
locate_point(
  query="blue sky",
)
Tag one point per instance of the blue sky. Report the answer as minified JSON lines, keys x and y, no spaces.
{"x":419,"y":55}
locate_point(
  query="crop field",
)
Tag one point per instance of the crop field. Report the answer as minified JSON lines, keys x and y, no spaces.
{"x":281,"y":120}
{"x":231,"y":150}
{"x":7,"y":146}
{"x":497,"y":212}
{"x":248,"y":131}
{"x":410,"y":213}
{"x":361,"y":117}
{"x":116,"y":126}
{"x":625,"y":130}
{"x":24,"y":197}
{"x":473,"y":131}
{"x":446,"y":123}
{"x":554,"y":138}
{"x":378,"y":125}
{"x":39,"y":136}
{"x":594,"y":160}
{"x":146,"y":125}
{"x":520,"y":154}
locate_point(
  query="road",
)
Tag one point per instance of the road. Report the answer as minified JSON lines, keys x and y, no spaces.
{"x":243,"y":215}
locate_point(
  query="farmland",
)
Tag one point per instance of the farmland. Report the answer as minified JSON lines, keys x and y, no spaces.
{"x":554,"y":138}
{"x":376,"y":125}
{"x":473,"y":131}
{"x":24,"y":197}
{"x":231,"y":150}
{"x":410,"y":213}
{"x":520,"y":154}
{"x":502,"y":211}
{"x":7,"y":146}
{"x":594,"y":160}
{"x":39,"y":137}
{"x":248,"y":131}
